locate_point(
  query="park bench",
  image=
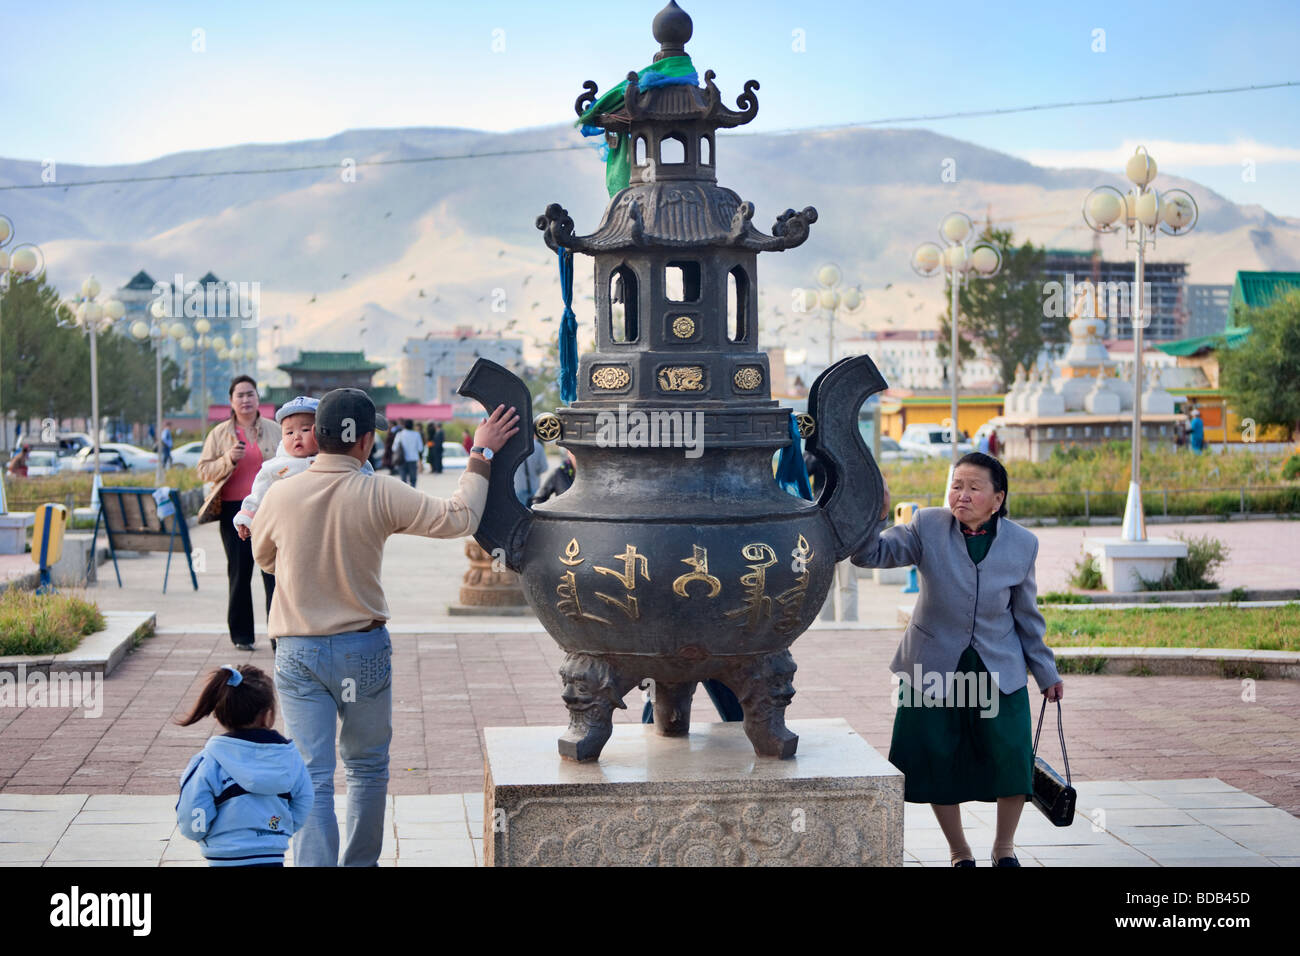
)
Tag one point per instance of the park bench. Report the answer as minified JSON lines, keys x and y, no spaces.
{"x":134,"y":521}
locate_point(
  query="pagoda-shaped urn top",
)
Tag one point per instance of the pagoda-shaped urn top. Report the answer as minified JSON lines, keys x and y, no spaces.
{"x":661,"y":123}
{"x":675,"y":253}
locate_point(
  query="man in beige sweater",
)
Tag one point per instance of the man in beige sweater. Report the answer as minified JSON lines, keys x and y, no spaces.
{"x":322,"y":533}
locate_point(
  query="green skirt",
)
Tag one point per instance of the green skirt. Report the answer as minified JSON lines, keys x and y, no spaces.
{"x":949,"y":753}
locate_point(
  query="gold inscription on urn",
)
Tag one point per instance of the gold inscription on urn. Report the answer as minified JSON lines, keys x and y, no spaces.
{"x":632,"y":562}
{"x":610,"y":377}
{"x":699,"y":560}
{"x":682,"y":378}
{"x":748,"y":378}
{"x":791,"y":600}
{"x":757,"y":604}
{"x":683,"y":326}
{"x":570,"y":603}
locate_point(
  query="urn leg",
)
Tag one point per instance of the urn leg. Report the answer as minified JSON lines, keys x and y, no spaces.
{"x":765,"y":687}
{"x":592,"y":689}
{"x":673,"y":708}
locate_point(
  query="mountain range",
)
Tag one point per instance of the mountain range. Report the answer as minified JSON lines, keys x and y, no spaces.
{"x":377,"y":244}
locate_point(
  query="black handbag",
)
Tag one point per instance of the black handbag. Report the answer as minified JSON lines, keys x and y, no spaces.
{"x":1054,"y":796}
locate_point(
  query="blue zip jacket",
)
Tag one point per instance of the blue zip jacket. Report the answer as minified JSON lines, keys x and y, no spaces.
{"x":242,"y":796}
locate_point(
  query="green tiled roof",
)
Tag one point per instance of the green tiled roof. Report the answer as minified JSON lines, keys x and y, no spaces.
{"x":1186,"y":347}
{"x":332,"y":362}
{"x":381,"y":395}
{"x":1256,"y":289}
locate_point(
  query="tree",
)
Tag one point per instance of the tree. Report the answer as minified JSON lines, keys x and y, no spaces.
{"x":127,"y":380}
{"x":1262,"y":374}
{"x":46,"y":367}
{"x":1004,"y":315}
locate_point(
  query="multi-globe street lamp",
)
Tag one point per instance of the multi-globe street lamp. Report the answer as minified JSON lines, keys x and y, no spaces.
{"x":93,"y":318}
{"x":831,"y":299}
{"x":960,"y":255}
{"x":156,"y":331}
{"x":21,"y":263}
{"x":1143,"y":211}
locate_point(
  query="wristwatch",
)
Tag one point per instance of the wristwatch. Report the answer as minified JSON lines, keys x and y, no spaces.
{"x":487,"y":453}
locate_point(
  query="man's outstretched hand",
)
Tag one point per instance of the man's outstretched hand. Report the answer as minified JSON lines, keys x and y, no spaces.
{"x":497,"y":429}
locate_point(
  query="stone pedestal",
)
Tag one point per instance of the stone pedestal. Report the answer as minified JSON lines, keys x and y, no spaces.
{"x":77,"y":567}
{"x":1123,"y":562}
{"x":489,"y":588}
{"x":703,"y":799}
{"x":13,"y":531}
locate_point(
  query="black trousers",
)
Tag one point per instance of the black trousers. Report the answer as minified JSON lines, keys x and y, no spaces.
{"x":239,"y":574}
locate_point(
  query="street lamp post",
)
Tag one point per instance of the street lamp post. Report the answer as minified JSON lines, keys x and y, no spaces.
{"x":961,"y":255}
{"x":94,"y":317}
{"x":156,"y":331}
{"x":22,"y":263}
{"x":1144,"y":211}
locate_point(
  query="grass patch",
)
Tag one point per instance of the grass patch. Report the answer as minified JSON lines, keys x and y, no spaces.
{"x":1063,"y":597}
{"x":25,"y":494}
{"x":32,"y":623}
{"x":1228,"y":628}
{"x":1197,"y":484}
{"x":1080,"y":665}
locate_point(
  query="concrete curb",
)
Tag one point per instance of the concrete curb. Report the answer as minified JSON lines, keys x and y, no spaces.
{"x":1186,"y":661}
{"x":1205,"y":597}
{"x":100,"y":652}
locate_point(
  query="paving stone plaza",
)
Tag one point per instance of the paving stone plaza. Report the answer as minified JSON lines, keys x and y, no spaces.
{"x":1171,"y":770}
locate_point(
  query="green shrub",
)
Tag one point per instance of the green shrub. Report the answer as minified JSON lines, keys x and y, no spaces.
{"x":1291,"y":470}
{"x":1086,"y":575}
{"x":32,"y":623}
{"x":1194,"y":572}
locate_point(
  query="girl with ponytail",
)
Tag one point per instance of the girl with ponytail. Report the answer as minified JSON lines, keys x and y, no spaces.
{"x":248,"y":790}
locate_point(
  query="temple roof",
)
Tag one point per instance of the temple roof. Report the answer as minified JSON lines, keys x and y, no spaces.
{"x":331,"y":362}
{"x":686,"y":214}
{"x":140,"y":281}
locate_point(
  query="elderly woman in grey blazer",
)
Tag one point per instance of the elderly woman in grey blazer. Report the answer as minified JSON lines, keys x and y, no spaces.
{"x":962,"y":727}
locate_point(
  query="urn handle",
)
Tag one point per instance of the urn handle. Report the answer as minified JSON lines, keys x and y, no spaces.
{"x":505,"y":521}
{"x":853,"y":490}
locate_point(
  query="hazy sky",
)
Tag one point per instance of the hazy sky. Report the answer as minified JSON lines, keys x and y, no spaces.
{"x":104,"y":83}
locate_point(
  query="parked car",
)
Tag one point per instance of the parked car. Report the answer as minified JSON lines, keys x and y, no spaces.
{"x":84,"y":460}
{"x":42,"y":461}
{"x":890,"y":450}
{"x":454,"y":455}
{"x":932,"y":440}
{"x":187,"y":456}
{"x":136,"y":458}
{"x":72,"y":442}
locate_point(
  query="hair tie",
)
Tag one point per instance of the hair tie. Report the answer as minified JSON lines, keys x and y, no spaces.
{"x":236,"y":678}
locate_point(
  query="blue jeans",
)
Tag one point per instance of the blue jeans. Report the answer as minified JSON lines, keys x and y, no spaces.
{"x":321,"y":680}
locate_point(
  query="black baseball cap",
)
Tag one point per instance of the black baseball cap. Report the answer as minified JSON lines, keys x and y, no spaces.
{"x":348,"y":406}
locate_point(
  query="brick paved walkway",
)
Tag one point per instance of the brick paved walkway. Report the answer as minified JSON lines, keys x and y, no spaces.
{"x":448,"y":686}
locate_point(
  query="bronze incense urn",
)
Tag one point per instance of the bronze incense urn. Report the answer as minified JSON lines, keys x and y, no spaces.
{"x":676,"y":556}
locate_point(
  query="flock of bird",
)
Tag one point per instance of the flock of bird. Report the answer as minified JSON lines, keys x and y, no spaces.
{"x":773,"y":323}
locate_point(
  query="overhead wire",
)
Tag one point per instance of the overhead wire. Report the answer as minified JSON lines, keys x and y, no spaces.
{"x":489,"y":154}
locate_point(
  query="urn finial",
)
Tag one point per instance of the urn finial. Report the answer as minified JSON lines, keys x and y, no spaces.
{"x":672,"y":28}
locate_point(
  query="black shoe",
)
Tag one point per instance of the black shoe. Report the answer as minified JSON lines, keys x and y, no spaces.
{"x":964,"y":863}
{"x":1006,"y":861}
{"x":243,"y":647}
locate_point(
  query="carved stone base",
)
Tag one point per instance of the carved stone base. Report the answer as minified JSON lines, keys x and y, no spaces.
{"x":702,"y":800}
